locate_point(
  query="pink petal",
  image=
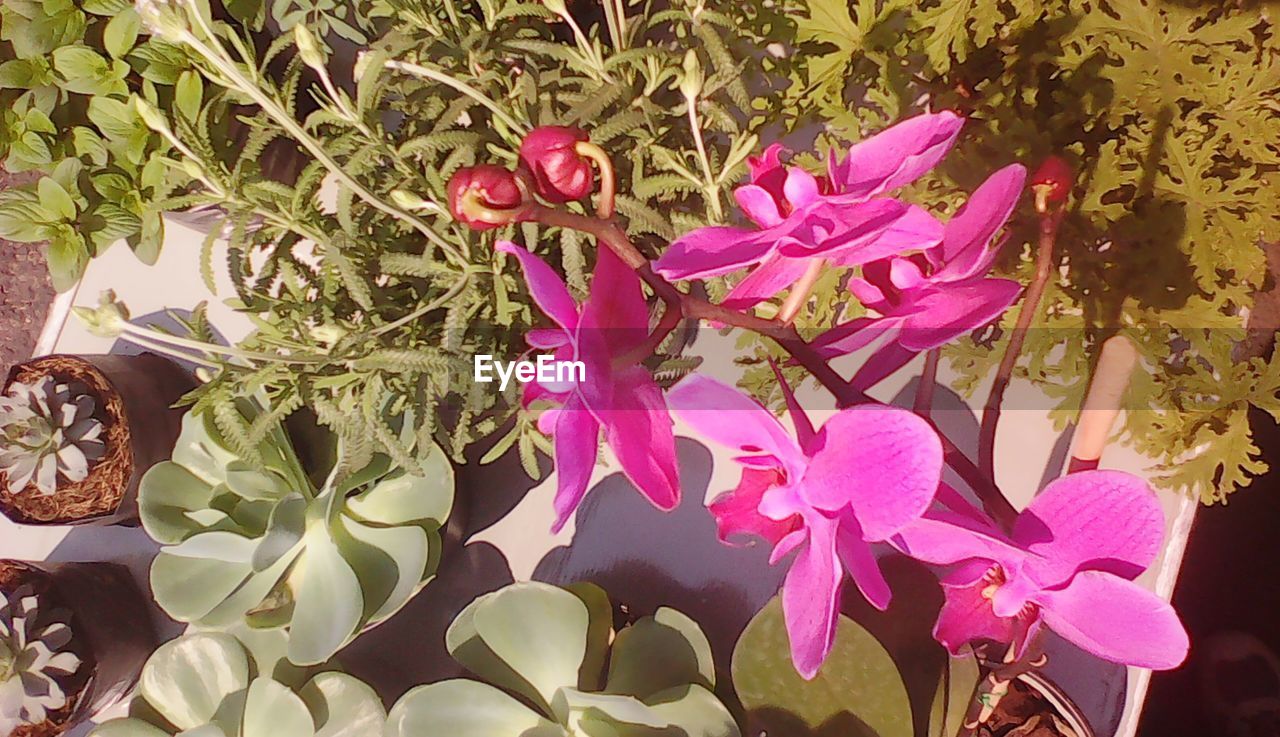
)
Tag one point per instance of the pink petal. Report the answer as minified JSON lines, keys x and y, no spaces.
{"x":1105,"y":520}
{"x":804,"y":427}
{"x":737,"y":512}
{"x":857,"y":557}
{"x":615,"y":313}
{"x":1116,"y":620}
{"x":915,"y":230}
{"x":870,"y":295}
{"x":967,"y":248}
{"x":767,"y":162}
{"x":787,"y":545}
{"x":884,"y":462}
{"x":853,"y":233}
{"x":577,"y":438}
{"x":947,"y":538}
{"x":854,"y":335}
{"x":725,"y":415}
{"x":715,"y":250}
{"x":810,"y":599}
{"x":758,"y":204}
{"x":951,"y":310}
{"x":801,"y":188}
{"x":897,"y":155}
{"x":638,"y":428}
{"x":882,"y":364}
{"x":773,"y":275}
{"x":966,"y":614}
{"x":545,"y":285}
{"x":546,"y":338}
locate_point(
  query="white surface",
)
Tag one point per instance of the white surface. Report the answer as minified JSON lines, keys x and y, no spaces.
{"x":1025,"y":435}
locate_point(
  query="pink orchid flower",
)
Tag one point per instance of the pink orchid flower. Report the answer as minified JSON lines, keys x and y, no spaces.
{"x":863,"y":477}
{"x":838,"y":217}
{"x":1068,"y":565}
{"x":617,"y":396}
{"x":926,"y":300}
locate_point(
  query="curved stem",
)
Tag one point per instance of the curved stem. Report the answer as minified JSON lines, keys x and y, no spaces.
{"x":928,"y":382}
{"x":671,"y":317}
{"x":608,"y":181}
{"x":1030,"y":306}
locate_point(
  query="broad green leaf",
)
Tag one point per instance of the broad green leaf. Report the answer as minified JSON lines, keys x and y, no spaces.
{"x":227,"y":547}
{"x":158,"y":61}
{"x":125,"y":727}
{"x":465,"y":709}
{"x":23,"y":218}
{"x":80,"y":62}
{"x":188,"y":95}
{"x":591,"y":676}
{"x":55,"y":200}
{"x":539,"y":630}
{"x":114,"y":118}
{"x":570,"y":704}
{"x":402,"y":498}
{"x":387,"y":584}
{"x":187,"y":679}
{"x":329,"y":602}
{"x":166,"y":494}
{"x":272,"y":710}
{"x":24,"y":74}
{"x":660,"y":652}
{"x":189,"y":588}
{"x":858,"y":691}
{"x":146,"y":244}
{"x":88,"y":144}
{"x":121,"y":32}
{"x":66,"y":257}
{"x":249,"y":483}
{"x":106,"y":7}
{"x":695,"y":710}
{"x":344,"y":706}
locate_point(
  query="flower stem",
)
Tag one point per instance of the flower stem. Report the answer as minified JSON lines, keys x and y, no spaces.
{"x":928,"y":381}
{"x":800,"y":291}
{"x":608,"y":181}
{"x":1049,"y":222}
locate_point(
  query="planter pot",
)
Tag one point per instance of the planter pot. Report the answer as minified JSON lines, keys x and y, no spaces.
{"x":111,"y":633}
{"x":1035,"y":706}
{"x":135,"y":397}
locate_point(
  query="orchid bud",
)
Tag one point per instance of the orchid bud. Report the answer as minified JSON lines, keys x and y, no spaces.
{"x":692,"y":79}
{"x":486,"y":196}
{"x":560,"y":173}
{"x":1052,"y":182}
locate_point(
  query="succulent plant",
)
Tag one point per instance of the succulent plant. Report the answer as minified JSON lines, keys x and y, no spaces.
{"x":553,"y":667}
{"x":210,"y":684}
{"x":248,"y":537}
{"x":48,"y":434}
{"x":32,"y":657}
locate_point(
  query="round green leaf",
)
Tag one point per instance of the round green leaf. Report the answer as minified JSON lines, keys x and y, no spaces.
{"x":344,"y":706}
{"x":465,"y":709}
{"x":328,"y":602}
{"x":189,"y":588}
{"x":390,"y":563}
{"x":272,"y":710}
{"x":656,"y":653}
{"x":166,"y":495}
{"x":695,"y":710}
{"x":186,"y":679}
{"x":121,"y":32}
{"x":127,"y":728}
{"x":859,"y":691}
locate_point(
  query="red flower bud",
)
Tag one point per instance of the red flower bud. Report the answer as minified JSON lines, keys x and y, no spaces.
{"x":560,"y":172}
{"x":485,"y":196}
{"x":1055,"y":178}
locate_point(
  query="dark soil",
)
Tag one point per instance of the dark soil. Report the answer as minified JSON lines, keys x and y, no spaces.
{"x":25,"y":292}
{"x":1024,"y":713}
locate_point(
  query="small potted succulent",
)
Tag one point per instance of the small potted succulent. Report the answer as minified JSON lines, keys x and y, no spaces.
{"x":73,"y":637}
{"x":210,"y":683}
{"x":550,"y":662}
{"x":252,"y":534}
{"x":78,"y":432}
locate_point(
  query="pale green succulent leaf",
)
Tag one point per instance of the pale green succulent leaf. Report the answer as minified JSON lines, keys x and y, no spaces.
{"x":250,"y":483}
{"x":127,"y":728}
{"x":272,"y":710}
{"x":461,"y":708}
{"x":660,"y":652}
{"x":591,"y":676}
{"x":329,"y":603}
{"x":167,"y":497}
{"x":189,"y":588}
{"x":285,"y":528}
{"x":343,"y":706}
{"x":187,"y":679}
{"x":402,"y":498}
{"x":696,"y":710}
{"x":571,"y":704}
{"x":227,"y":547}
{"x":387,"y":585}
{"x":539,"y":630}
{"x":250,"y":595}
{"x":204,"y":730}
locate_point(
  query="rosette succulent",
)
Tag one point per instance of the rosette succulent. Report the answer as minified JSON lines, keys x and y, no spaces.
{"x":48,"y":435}
{"x":33,"y":655}
{"x":249,"y":537}
{"x":209,"y":685}
{"x":552,"y":666}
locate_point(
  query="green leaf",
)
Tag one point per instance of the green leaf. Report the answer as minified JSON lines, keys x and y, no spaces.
{"x":116,"y":119}
{"x":127,"y":727}
{"x":401,"y":497}
{"x":146,"y":245}
{"x":88,"y":144}
{"x":272,"y":710}
{"x":80,"y":62}
{"x":24,"y":74}
{"x":465,"y":709}
{"x":67,"y":257}
{"x":657,"y":653}
{"x":189,"y":588}
{"x":106,"y":7}
{"x":329,"y":603}
{"x":55,"y":200}
{"x":187,"y":679}
{"x":158,"y":61}
{"x":121,"y":33}
{"x":188,"y":94}
{"x":343,"y":706}
{"x":858,"y":691}
{"x":23,"y":218}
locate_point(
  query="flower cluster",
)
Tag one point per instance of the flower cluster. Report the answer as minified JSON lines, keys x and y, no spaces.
{"x":869,"y":480}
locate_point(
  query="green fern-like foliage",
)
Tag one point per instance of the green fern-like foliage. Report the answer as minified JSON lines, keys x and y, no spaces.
{"x":385,"y":312}
{"x":1166,"y":109}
